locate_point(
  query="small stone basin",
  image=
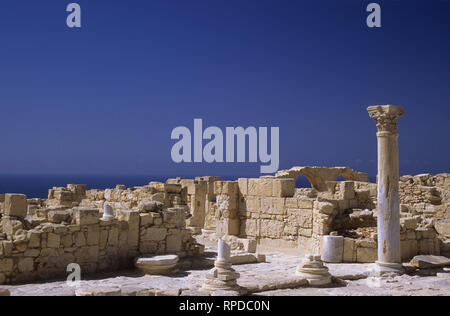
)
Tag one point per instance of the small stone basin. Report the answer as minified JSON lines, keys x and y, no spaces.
{"x":158,"y":265}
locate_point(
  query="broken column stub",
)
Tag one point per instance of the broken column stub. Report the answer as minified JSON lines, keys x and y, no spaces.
{"x":389,"y":252}
{"x":313,"y":270}
{"x":108,"y":213}
{"x":332,"y":248}
{"x":222,"y":277}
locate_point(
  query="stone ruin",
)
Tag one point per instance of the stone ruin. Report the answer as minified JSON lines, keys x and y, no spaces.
{"x":40,"y":237}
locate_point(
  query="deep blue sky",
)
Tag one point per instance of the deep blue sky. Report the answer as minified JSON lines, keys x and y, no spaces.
{"x":104,"y":99}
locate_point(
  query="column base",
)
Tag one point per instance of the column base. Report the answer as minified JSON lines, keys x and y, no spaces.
{"x":222,"y":278}
{"x":383,"y":269}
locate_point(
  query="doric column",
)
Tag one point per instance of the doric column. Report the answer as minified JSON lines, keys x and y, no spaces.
{"x":389,"y":253}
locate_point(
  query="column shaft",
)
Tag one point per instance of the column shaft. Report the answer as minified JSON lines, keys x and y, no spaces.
{"x":388,"y":199}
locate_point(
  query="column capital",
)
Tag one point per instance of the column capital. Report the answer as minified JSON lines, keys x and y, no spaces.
{"x":386,"y":116}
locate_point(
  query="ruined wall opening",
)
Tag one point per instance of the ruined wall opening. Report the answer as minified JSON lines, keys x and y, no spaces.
{"x":302,"y":183}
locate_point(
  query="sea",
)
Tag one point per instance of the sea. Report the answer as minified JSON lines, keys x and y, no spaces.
{"x":37,"y":186}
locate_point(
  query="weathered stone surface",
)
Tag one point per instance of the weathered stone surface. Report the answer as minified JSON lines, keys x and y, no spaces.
{"x":443,"y":227}
{"x":15,"y":205}
{"x":283,"y":187}
{"x":366,"y":255}
{"x":243,"y":259}
{"x":158,"y":265}
{"x":155,"y":234}
{"x":86,"y":216}
{"x":349,"y":254}
{"x":428,"y":262}
{"x":59,"y":216}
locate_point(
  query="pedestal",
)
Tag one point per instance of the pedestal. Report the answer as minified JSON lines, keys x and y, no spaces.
{"x":314,"y":271}
{"x":222,"y":277}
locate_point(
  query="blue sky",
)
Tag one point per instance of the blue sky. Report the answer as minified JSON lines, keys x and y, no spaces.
{"x":104,"y":99}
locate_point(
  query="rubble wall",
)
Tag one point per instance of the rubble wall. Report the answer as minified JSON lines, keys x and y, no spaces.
{"x":427,"y":198}
{"x":148,"y":220}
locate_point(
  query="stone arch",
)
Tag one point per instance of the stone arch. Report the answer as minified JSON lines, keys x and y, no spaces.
{"x":319,"y":176}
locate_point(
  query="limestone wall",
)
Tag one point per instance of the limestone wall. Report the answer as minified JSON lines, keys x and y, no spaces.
{"x":39,"y":237}
{"x":273,"y":212}
{"x":276,"y":214}
{"x":427,"y":197}
{"x":148,"y":220}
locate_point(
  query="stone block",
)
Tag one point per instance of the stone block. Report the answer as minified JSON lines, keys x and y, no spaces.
{"x":409,"y":249}
{"x":149,"y":206}
{"x":409,"y":222}
{"x":349,"y":255}
{"x":10,"y":225}
{"x":266,"y":186}
{"x":266,"y":205}
{"x":15,"y":205}
{"x":146,"y":219}
{"x":249,"y":227}
{"x":172,"y":188}
{"x":148,"y":247}
{"x":80,"y":239}
{"x":229,"y":187}
{"x":300,"y":217}
{"x":249,"y":245}
{"x":253,"y":187}
{"x":113,"y":236}
{"x":93,"y":235}
{"x":25,"y":265}
{"x":291,"y":203}
{"x":253,"y":204}
{"x":133,"y":220}
{"x":326,"y":208}
{"x":278,"y":206}
{"x":175,"y":216}
{"x":305,"y":232}
{"x":271,"y":228}
{"x":67,"y":240}
{"x":228,"y":226}
{"x":366,"y":255}
{"x":305,"y":203}
{"x":87,"y":255}
{"x":154,"y":234}
{"x":283,"y":187}
{"x":347,"y":190}
{"x":58,"y":216}
{"x":53,"y":240}
{"x":7,"y":248}
{"x":84,"y":216}
{"x":6,"y":265}
{"x":429,"y":247}
{"x":429,"y":262}
{"x":443,"y":227}
{"x":243,"y":186}
{"x":173,"y":243}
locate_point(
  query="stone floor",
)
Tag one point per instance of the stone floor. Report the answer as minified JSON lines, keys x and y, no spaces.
{"x":276,"y":276}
